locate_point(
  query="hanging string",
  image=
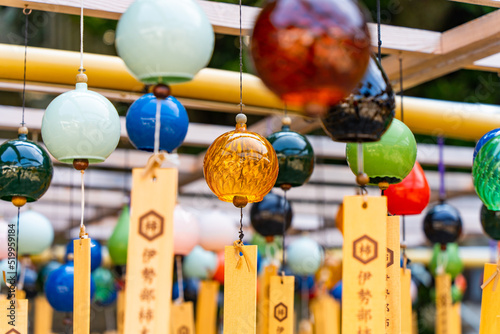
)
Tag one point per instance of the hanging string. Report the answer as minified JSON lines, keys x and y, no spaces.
{"x":241,"y":65}
{"x":284,"y":233}
{"x":26,"y":13}
{"x":401,"y":94}
{"x":378,"y":33}
{"x":81,"y":37}
{"x":17,"y":248}
{"x":180,"y":278}
{"x":82,"y":226}
{"x":442,"y":192}
{"x":241,"y":226}
{"x":157,"y":126}
{"x":305,"y":297}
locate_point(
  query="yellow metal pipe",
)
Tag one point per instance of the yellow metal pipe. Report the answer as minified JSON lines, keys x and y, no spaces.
{"x":424,"y":116}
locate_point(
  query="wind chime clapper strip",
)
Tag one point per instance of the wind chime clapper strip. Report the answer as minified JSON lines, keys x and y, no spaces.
{"x":206,"y":308}
{"x":406,"y":303}
{"x":364,"y":264}
{"x":240,"y":289}
{"x":490,"y":302}
{"x":183,"y":317}
{"x":443,"y":303}
{"x":393,"y":277}
{"x":150,"y":264}
{"x":326,"y":314}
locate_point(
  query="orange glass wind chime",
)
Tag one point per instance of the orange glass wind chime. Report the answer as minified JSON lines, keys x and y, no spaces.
{"x":240,"y":167}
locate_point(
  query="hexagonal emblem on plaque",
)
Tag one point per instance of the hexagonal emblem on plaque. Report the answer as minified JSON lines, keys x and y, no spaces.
{"x":389,"y":257}
{"x":365,"y":249}
{"x":183,"y":330}
{"x":280,"y":312}
{"x":12,"y":331}
{"x":151,"y":225}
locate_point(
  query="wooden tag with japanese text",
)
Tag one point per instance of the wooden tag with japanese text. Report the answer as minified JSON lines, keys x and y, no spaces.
{"x":240,"y":290}
{"x":263,"y":300}
{"x":393,"y":283}
{"x":443,"y":304}
{"x":206,"y":307}
{"x":364,"y":264}
{"x":14,"y":321}
{"x":150,"y":261}
{"x":406,"y":307}
{"x":182,"y":318}
{"x":490,"y":303}
{"x":43,"y":315}
{"x":326,"y":314}
{"x":81,"y":299}
{"x":281,"y":310}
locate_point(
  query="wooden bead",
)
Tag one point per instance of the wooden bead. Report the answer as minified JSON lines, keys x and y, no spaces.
{"x":383,"y":185}
{"x":240,"y":201}
{"x":22,"y":130}
{"x":286,"y":187}
{"x":269,"y":238}
{"x":80,"y":164}
{"x":161,"y":91}
{"x":19,"y":201}
{"x":362,"y":179}
{"x":81,"y":78}
{"x":286,"y":121}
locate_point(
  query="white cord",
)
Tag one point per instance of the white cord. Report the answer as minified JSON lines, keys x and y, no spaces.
{"x":83,"y":198}
{"x":81,"y":35}
{"x":157,"y":126}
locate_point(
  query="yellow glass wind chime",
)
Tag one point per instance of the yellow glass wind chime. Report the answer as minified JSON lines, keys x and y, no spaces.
{"x":240,"y":167}
{"x":25,"y":174}
{"x":81,"y":127}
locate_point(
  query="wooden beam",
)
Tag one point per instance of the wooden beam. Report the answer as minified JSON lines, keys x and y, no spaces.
{"x":489,"y":3}
{"x":225,"y":20}
{"x":461,"y":47}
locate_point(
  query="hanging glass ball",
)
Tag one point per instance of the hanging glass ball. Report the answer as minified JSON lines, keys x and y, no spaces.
{"x":200,"y":264}
{"x":450,"y":258}
{"x":484,"y":139}
{"x":240,"y":166}
{"x":442,"y":224}
{"x":141,"y":122}
{"x":25,"y":170}
{"x":411,"y":196}
{"x":95,"y":253}
{"x":304,"y":256}
{"x":118,"y":242}
{"x":486,"y":173}
{"x":186,"y":231}
{"x":269,"y":215}
{"x":36,"y":233}
{"x":105,"y":288}
{"x":81,"y":125}
{"x":217,"y":230}
{"x":165,"y":41}
{"x":45,"y":272}
{"x":390,"y":159}
{"x":311,"y":53}
{"x":295,"y":156}
{"x":366,"y":114}
{"x":59,"y":288}
{"x":490,"y":221}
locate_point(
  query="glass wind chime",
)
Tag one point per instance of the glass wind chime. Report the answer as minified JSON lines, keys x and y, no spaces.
{"x":81,"y":127}
{"x":240,"y":167}
{"x":25,"y":174}
{"x":484,"y":172}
